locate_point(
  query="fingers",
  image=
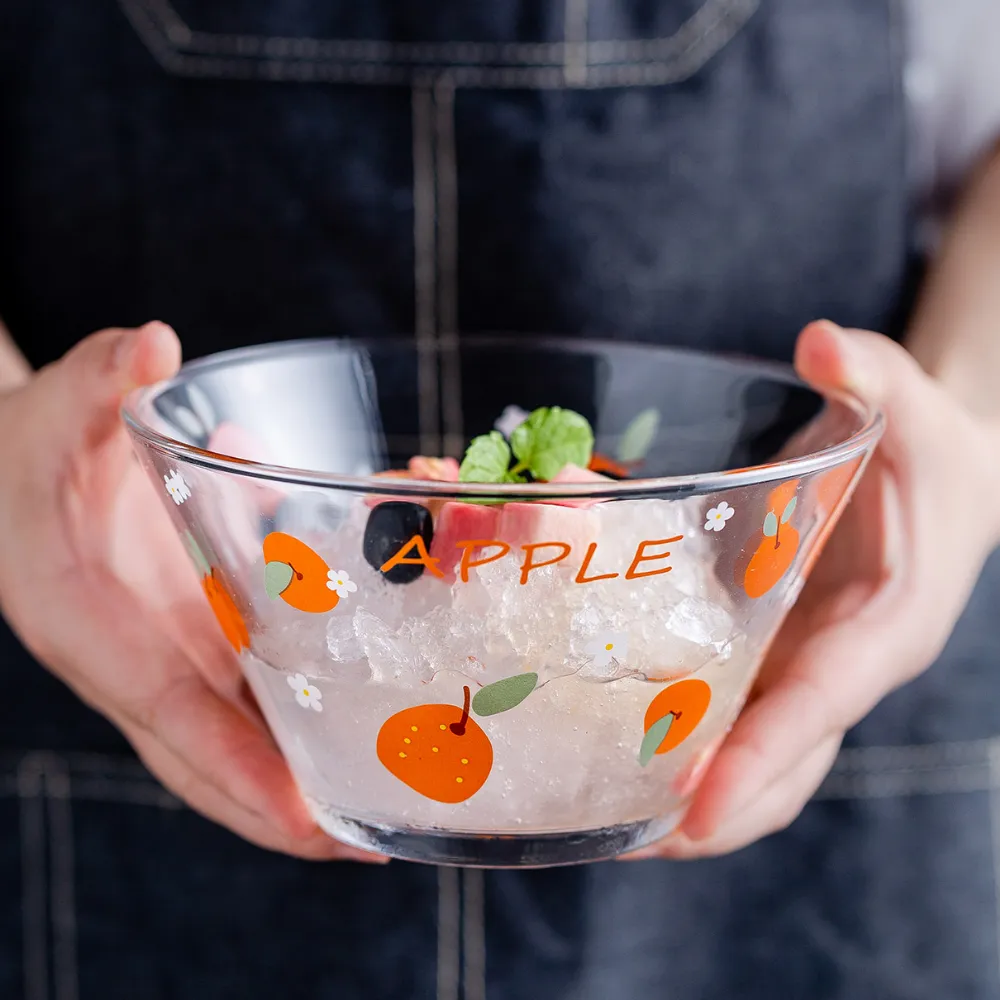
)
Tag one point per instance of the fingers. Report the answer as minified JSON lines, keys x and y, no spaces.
{"x":206,"y":799}
{"x":881,"y":617}
{"x":923,"y":422}
{"x":106,"y":646}
{"x":834,"y":678}
{"x":775,"y":808}
{"x":92,"y":378}
{"x":869,"y":365}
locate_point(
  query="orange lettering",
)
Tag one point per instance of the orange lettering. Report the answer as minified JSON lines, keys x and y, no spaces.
{"x":529,"y":550}
{"x":479,"y":543}
{"x":641,"y":557}
{"x":582,"y":577}
{"x":422,"y":557}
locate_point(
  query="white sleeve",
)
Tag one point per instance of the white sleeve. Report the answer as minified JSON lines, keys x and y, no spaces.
{"x":953,"y":86}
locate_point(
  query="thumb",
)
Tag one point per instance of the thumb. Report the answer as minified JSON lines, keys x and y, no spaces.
{"x":882,"y":374}
{"x":92,"y":378}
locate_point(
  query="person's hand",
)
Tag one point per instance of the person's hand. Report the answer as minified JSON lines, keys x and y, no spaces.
{"x":84,"y":539}
{"x":879,"y":604}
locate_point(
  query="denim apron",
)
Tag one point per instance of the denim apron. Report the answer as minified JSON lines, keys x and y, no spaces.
{"x":702,"y":172}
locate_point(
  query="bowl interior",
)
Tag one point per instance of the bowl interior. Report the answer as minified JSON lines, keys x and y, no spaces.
{"x":353,"y":408}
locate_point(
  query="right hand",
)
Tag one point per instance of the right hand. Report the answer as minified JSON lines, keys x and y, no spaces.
{"x":86,"y":541}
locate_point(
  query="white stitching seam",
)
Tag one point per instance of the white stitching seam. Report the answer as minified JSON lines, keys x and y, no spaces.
{"x":424,"y":267}
{"x":613,"y":63}
{"x":448,"y":930}
{"x":446,"y":202}
{"x":30,"y":778}
{"x":473,"y":935}
{"x":63,"y":889}
{"x":932,"y":768}
{"x":928,"y":769}
{"x":576,"y":57}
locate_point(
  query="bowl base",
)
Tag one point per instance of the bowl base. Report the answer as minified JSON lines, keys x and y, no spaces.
{"x":480,"y":850}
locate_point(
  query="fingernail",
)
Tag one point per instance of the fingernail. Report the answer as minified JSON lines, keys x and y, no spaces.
{"x":157,"y":331}
{"x":155,"y":358}
{"x":157,"y":325}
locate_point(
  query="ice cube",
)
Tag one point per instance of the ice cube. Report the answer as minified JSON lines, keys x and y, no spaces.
{"x":701,"y":622}
{"x":390,"y":657}
{"x":341,"y":640}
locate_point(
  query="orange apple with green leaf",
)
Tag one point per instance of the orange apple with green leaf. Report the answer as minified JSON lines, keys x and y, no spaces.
{"x":778,"y":544}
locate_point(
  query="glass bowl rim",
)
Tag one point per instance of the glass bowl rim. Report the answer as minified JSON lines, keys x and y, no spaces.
{"x":857,"y":444}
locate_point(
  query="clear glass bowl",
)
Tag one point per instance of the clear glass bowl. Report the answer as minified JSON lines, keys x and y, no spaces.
{"x":517,"y":675}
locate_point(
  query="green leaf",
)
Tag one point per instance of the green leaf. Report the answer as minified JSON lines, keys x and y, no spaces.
{"x":277,"y":576}
{"x":486,"y":460}
{"x":504,"y":695}
{"x":786,"y":514}
{"x":638,"y":436}
{"x":770,"y":525}
{"x":197,"y":556}
{"x":655,"y":735}
{"x":551,"y":438}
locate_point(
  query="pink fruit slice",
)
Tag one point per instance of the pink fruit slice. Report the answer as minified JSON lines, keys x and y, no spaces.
{"x":440,"y":470}
{"x":574,"y":474}
{"x":460,"y":522}
{"x":532,"y":523}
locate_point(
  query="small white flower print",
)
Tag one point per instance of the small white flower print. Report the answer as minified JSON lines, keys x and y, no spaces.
{"x":606,"y":647}
{"x":306,"y":694}
{"x":177,"y":487}
{"x":715,"y":519}
{"x":340,"y":583}
{"x":509,"y":421}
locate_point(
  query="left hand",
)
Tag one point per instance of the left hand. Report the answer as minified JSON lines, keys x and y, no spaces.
{"x":879,"y":604}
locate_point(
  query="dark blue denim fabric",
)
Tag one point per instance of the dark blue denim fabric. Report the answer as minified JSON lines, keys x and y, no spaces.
{"x":704,"y":172}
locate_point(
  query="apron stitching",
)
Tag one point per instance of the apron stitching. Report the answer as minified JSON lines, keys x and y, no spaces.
{"x":879,"y":758}
{"x":904,"y":783}
{"x":424,"y":267}
{"x":995,"y":838}
{"x":576,"y":55}
{"x":446,"y":191}
{"x":156,"y":41}
{"x":149,"y":793}
{"x":173,"y":24}
{"x":30,"y":778}
{"x":473,"y":935}
{"x":448,"y":944}
{"x":710,"y":17}
{"x":868,"y":772}
{"x":63,"y":902}
{"x":640,"y":62}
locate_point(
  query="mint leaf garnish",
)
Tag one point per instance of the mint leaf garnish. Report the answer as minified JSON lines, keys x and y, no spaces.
{"x":486,"y":460}
{"x":551,"y":438}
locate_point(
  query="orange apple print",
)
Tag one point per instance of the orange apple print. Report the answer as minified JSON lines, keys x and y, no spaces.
{"x":672,"y":716}
{"x":226,"y":612}
{"x":437,"y":750}
{"x":830,"y":489}
{"x":297,"y":574}
{"x":222,"y":605}
{"x":778,"y":544}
